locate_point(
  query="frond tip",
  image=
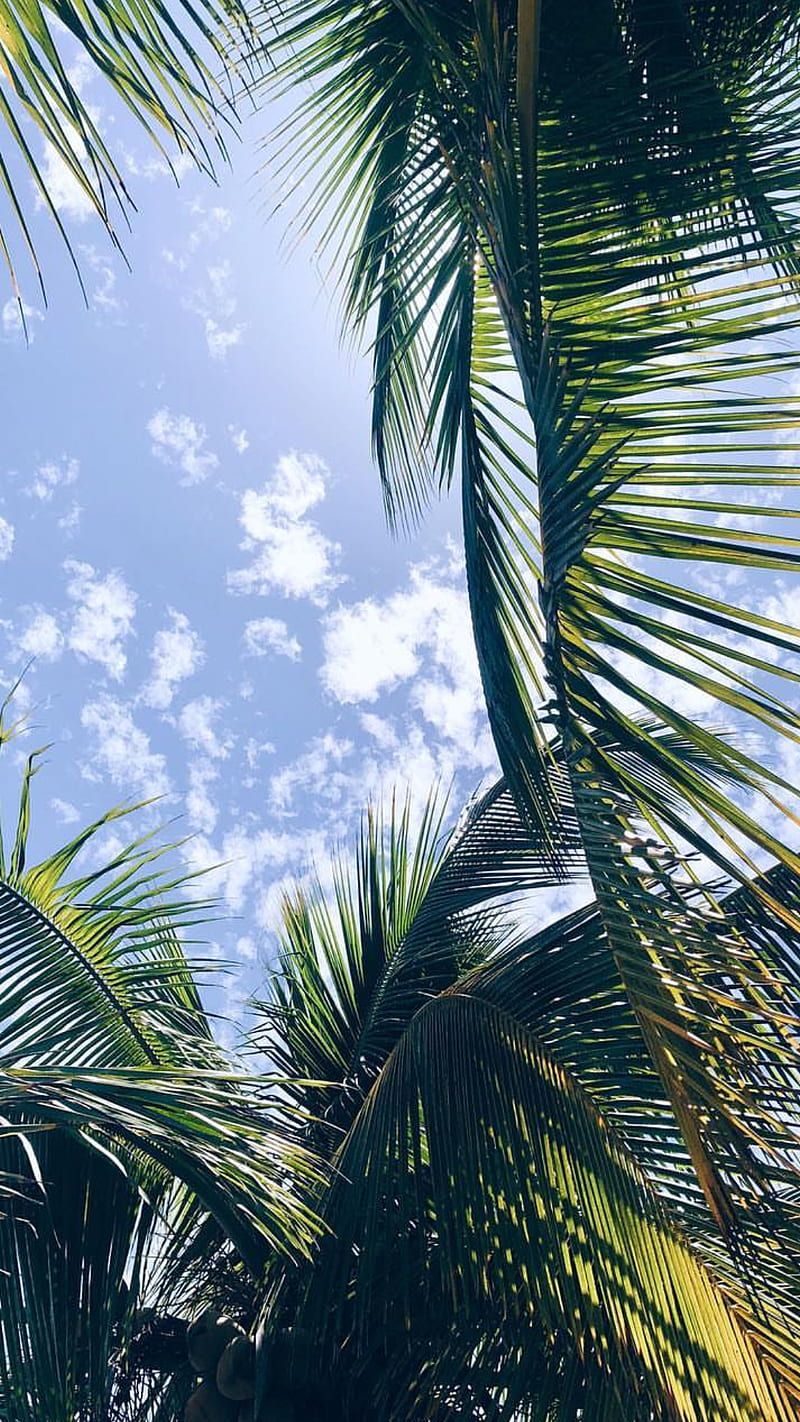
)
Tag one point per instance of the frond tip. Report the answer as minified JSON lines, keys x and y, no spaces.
{"x":163,"y":67}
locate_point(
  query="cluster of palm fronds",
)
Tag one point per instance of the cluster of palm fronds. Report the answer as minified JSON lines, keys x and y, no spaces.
{"x":551,"y":1176}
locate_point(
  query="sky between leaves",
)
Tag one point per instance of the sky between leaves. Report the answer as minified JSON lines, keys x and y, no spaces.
{"x":194,"y":551}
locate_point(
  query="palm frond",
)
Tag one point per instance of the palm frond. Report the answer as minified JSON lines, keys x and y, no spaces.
{"x":590,"y":222}
{"x":419,"y":908}
{"x":111,"y":1090}
{"x":536,"y":1209}
{"x":163,"y":65}
{"x":565,"y":985}
{"x":460,"y":1217}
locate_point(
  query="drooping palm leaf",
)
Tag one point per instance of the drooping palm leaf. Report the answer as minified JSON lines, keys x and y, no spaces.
{"x":471,"y":1268}
{"x":174,"y":69}
{"x":111,"y":1090}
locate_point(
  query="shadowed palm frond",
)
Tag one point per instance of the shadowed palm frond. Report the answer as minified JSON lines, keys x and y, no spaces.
{"x":547,"y":1195}
{"x":526,"y":1199}
{"x":420,"y":907}
{"x":513,"y":256}
{"x":112,"y":1089}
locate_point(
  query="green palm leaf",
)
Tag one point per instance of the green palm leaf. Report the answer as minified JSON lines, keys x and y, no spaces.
{"x":521,"y":1220}
{"x":420,"y":907}
{"x":164,"y":65}
{"x":112,"y":1089}
{"x":539,"y":1211}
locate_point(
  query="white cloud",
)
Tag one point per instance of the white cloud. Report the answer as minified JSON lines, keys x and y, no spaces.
{"x":291,"y":555}
{"x":221,"y":339}
{"x":334,"y":780}
{"x":419,"y":638}
{"x":381,"y":730}
{"x":246,"y":948}
{"x":151,"y":168}
{"x":453,"y":709}
{"x":372,"y":646}
{"x":197,"y":726}
{"x":70,"y":522}
{"x":41,"y":637}
{"x":239,"y":439}
{"x":317,"y":771}
{"x":294,"y":559}
{"x":180,"y":440}
{"x":270,"y":634}
{"x":66,"y":811}
{"x":208,"y":227}
{"x":103,"y":618}
{"x":177,"y":653}
{"x":122,"y":751}
{"x":246,"y":857}
{"x":201,"y":810}
{"x":297,"y":485}
{"x":67,"y":195}
{"x":18,"y":318}
{"x":54,"y":474}
{"x":214,"y":301}
{"x":782,"y":605}
{"x":103,"y":296}
{"x":253,"y":751}
{"x":210,"y":224}
{"x":6,"y":539}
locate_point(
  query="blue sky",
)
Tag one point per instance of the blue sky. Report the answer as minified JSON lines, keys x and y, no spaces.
{"x":194,"y":548}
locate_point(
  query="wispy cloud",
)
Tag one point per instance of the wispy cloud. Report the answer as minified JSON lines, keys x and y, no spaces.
{"x":198,"y":726}
{"x":103,"y":618}
{"x":121,"y":750}
{"x":269,"y":634}
{"x":39,"y":636}
{"x":51,"y":476}
{"x":181,"y":441}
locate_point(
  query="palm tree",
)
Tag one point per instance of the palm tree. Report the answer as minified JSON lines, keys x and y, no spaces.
{"x":572,"y":229}
{"x":566,"y":1166}
{"x":177,"y":70}
{"x":123,"y":1127}
{"x":515,"y":1224}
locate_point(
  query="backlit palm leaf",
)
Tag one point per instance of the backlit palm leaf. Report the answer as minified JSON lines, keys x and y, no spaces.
{"x":111,"y":1090}
{"x":163,"y":64}
{"x":416,"y":912}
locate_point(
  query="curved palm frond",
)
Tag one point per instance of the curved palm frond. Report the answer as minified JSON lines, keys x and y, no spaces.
{"x":538,"y":1211}
{"x":516,"y":1228}
{"x":420,"y":907}
{"x":112,"y":1089}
